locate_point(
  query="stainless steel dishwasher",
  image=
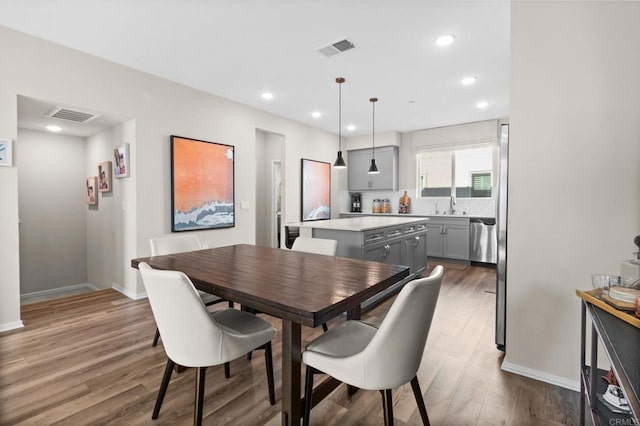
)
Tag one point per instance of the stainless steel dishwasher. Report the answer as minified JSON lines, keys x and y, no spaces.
{"x":483,"y":241}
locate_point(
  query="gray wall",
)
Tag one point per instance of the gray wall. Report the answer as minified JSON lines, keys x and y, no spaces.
{"x":102,"y":228}
{"x":52,"y":206}
{"x":574,"y":180}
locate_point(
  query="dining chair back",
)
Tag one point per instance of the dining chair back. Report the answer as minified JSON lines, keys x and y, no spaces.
{"x":393,"y":355}
{"x":318,"y":246}
{"x":315,"y":245}
{"x":195,"y":337}
{"x":174,"y":244}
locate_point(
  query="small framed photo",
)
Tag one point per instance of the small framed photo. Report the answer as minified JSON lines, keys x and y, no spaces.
{"x":6,"y":153}
{"x":92,"y":190}
{"x":104,"y":176}
{"x":121,"y":155}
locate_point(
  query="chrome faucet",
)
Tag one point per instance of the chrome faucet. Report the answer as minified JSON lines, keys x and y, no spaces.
{"x":437,"y":211}
{"x":452,"y":202}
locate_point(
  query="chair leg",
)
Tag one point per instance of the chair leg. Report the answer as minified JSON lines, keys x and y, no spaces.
{"x":308,"y":394}
{"x":387,"y":407}
{"x":163,"y":388}
{"x":249,"y":356}
{"x":227,"y":370}
{"x":324,"y":327}
{"x":230,"y":304}
{"x":268,"y":360}
{"x":156,"y":337}
{"x":197,"y":412}
{"x":420,"y":401}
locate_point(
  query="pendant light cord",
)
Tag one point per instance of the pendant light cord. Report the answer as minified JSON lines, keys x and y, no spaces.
{"x":340,"y":116}
{"x":373,"y":136}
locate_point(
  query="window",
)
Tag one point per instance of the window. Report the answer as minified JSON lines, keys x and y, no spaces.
{"x":463,"y":172}
{"x":436,"y":174}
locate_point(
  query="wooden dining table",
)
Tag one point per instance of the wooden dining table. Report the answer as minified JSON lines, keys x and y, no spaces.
{"x":302,"y":289}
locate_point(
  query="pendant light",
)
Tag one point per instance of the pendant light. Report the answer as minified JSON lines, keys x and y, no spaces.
{"x":340,"y":164}
{"x":373,"y":169}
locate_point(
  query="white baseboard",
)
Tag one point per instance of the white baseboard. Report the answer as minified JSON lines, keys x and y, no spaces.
{"x":130,"y":295}
{"x":54,"y":291}
{"x":11,"y":326}
{"x":541,"y":376}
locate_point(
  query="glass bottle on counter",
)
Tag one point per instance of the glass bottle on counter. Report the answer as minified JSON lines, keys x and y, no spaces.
{"x":403,"y":206}
{"x":386,"y":206}
{"x":376,"y":206}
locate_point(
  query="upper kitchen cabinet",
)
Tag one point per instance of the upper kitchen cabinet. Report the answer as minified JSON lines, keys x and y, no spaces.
{"x":358,"y":166}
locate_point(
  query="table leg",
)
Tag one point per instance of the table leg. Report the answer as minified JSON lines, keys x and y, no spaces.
{"x":354,"y":313}
{"x":291,"y":368}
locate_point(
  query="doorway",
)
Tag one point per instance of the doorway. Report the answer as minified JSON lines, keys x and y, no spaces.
{"x":67,"y":245}
{"x":270,"y":188}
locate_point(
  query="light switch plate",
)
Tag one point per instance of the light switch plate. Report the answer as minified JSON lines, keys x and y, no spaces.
{"x":244,"y":205}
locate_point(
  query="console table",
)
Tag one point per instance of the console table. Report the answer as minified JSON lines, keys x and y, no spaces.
{"x":621,"y":342}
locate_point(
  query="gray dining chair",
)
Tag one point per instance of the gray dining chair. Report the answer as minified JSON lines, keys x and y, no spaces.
{"x":323,"y":246}
{"x":180,"y":244}
{"x":383,"y":358}
{"x":195,"y":337}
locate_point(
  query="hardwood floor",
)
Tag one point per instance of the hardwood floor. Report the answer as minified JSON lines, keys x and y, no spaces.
{"x":88,"y":359}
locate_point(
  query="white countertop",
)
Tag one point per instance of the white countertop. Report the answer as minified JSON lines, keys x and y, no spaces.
{"x":363,"y":223}
{"x":421,"y":215}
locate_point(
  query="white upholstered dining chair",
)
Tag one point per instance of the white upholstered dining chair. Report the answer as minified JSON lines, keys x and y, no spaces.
{"x":383,"y":358}
{"x":323,"y":246}
{"x":195,"y":337}
{"x":181,"y":244}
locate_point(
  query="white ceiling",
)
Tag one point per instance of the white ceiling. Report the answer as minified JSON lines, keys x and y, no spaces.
{"x":238,"y":49}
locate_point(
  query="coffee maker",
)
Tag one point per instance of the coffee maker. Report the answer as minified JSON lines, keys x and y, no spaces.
{"x":356,"y":204}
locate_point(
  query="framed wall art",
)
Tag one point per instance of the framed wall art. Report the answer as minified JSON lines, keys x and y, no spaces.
{"x":92,"y":190}
{"x":6,"y":152}
{"x":316,"y":190}
{"x":202,"y":185}
{"x":104,"y":176}
{"x":121,"y":156}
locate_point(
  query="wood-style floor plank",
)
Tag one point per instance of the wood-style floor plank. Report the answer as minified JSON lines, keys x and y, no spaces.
{"x":87,"y":360}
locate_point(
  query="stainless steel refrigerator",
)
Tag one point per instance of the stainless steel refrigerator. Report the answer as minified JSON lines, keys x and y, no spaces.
{"x":501,"y":223}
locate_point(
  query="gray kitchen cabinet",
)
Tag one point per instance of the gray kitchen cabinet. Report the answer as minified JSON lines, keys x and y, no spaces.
{"x":415,"y":248}
{"x":358,"y":166}
{"x":448,"y":238}
{"x":385,"y":251}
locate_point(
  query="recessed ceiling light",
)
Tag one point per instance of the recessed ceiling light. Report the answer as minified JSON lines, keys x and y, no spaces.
{"x":412,"y":102}
{"x":351,"y":127}
{"x":316,"y":114}
{"x":482,"y":105}
{"x":445,"y":40}
{"x":53,"y":128}
{"x":267,"y":96}
{"x":468,"y":81}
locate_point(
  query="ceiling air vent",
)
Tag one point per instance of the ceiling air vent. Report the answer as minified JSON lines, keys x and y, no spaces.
{"x":71,"y":115}
{"x":336,"y":47}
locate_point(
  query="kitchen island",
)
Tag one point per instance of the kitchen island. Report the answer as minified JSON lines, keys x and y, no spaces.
{"x":394,"y":240}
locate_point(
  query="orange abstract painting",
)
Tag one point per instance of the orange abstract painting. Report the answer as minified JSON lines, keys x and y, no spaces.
{"x":202,"y":184}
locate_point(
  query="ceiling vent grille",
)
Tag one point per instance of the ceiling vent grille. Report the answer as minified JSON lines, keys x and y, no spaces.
{"x":336,"y":47}
{"x":72,"y":115}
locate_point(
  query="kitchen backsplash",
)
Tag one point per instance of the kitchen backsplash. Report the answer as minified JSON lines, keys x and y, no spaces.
{"x":481,"y":207}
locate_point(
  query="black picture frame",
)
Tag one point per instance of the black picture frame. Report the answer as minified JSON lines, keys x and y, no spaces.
{"x":315,"y":190}
{"x":202,"y":185}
